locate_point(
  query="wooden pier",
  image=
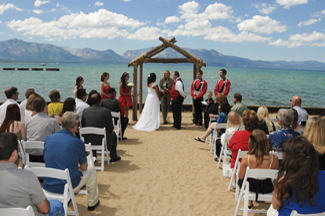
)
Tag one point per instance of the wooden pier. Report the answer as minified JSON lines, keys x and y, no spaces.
{"x":33,"y":69}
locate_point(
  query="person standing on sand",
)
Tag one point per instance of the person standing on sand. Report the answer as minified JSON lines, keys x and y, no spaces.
{"x":177,"y":97}
{"x":198,"y":89}
{"x":223,"y":84}
{"x":104,"y":85}
{"x":165,"y":85}
{"x":125,"y":94}
{"x":79,"y":81}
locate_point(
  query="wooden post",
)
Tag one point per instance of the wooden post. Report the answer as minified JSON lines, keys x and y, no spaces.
{"x":140,"y":88}
{"x":135,"y":92}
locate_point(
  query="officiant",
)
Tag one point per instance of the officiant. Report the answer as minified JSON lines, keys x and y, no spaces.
{"x":165,"y":85}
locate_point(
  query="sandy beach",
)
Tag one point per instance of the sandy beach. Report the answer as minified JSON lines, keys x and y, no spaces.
{"x":164,"y":172}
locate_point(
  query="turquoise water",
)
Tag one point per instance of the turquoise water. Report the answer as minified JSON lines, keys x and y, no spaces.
{"x":258,"y":86}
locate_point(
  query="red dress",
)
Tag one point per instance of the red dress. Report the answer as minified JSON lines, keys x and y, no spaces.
{"x":105,"y":91}
{"x":125,"y":100}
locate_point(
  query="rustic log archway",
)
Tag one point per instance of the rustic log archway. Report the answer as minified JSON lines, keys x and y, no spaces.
{"x":147,"y":58}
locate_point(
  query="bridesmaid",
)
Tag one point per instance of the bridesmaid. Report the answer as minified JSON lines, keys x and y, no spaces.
{"x":79,"y":82}
{"x":165,"y":85}
{"x":125,"y":98}
{"x":104,"y":85}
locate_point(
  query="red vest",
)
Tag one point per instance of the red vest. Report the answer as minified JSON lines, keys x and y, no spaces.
{"x":174,"y":93}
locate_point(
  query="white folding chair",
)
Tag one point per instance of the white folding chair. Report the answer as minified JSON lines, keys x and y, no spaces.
{"x":246,"y":195}
{"x":211,"y":121}
{"x":32,"y":145}
{"x":235,"y":170}
{"x":295,"y":213}
{"x":215,"y":134}
{"x":103,"y":148}
{"x":91,"y":163}
{"x":224,"y":153}
{"x":17,"y":211}
{"x":279,"y":154}
{"x":118,"y":125}
{"x":22,"y":152}
{"x":68,"y":190}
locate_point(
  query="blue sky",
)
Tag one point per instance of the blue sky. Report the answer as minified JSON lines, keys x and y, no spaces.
{"x":288,"y":30}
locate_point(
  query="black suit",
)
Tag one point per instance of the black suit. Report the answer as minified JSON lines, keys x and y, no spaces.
{"x":112,"y":105}
{"x":100,"y":117}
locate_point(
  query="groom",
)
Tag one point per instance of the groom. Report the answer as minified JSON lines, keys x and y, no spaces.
{"x":177,"y":96}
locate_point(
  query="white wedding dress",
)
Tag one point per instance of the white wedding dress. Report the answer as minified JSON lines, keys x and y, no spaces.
{"x":150,"y":116}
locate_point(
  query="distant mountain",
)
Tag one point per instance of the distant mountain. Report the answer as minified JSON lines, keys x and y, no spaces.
{"x":20,"y":51}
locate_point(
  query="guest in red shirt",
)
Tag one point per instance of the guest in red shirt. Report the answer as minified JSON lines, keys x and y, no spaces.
{"x":240,"y":138}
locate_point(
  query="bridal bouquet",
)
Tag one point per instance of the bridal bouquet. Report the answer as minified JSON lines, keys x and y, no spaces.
{"x":130,"y":85}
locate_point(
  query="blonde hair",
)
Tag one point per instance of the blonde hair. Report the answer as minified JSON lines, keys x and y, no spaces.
{"x":220,"y":97}
{"x":263,"y":113}
{"x":209,"y":93}
{"x":165,"y":72}
{"x":233,"y":119}
{"x":29,"y":104}
{"x":258,"y":146}
{"x":315,"y":133}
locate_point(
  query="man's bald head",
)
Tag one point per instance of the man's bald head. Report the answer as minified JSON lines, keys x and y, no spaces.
{"x":295,"y":101}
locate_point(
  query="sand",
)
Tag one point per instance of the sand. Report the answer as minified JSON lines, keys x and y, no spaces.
{"x":164,"y":172}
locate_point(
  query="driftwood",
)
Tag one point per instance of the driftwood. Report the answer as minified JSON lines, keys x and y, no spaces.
{"x":147,"y":58}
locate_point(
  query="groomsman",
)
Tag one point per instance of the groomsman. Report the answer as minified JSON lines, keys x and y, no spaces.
{"x":177,"y":96}
{"x":198,"y":89}
{"x":223,"y":84}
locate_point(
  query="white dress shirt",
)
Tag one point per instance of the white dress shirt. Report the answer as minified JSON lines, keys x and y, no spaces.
{"x":302,"y":114}
{"x":80,"y":106}
{"x":179,"y":87}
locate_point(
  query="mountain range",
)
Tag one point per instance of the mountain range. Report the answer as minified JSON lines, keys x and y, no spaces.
{"x":16,"y":50}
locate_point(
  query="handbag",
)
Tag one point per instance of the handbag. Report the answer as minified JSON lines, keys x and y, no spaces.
{"x":258,"y":186}
{"x":226,"y":170}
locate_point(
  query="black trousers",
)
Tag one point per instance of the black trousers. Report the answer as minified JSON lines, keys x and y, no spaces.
{"x":124,"y":123}
{"x":177,"y":111}
{"x":197,"y":118}
{"x":113,"y":140}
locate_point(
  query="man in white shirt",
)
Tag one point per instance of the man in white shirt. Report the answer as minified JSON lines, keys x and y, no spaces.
{"x":302,"y":113}
{"x":12,"y":96}
{"x":22,"y":105}
{"x":177,"y":96}
{"x":80,"y":102}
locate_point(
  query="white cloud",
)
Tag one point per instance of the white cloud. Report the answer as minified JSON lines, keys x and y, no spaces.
{"x":53,"y":10}
{"x":264,"y":8}
{"x":38,"y":11}
{"x":172,"y":19}
{"x":309,"y":22}
{"x":323,"y":11}
{"x":98,"y":4}
{"x":127,"y":0}
{"x":100,"y":24}
{"x":40,"y":2}
{"x":288,"y":3}
{"x":4,"y":7}
{"x":0,"y":21}
{"x":146,"y":33}
{"x":57,"y":5}
{"x":19,"y":9}
{"x":261,"y":24}
{"x":305,"y":39}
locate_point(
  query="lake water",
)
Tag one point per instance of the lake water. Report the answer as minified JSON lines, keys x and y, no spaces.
{"x":258,"y":86}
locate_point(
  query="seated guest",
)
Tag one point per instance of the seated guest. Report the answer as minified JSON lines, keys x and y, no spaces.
{"x":300,"y":185}
{"x":240,"y":138}
{"x":257,"y":157}
{"x":302,"y":113}
{"x":22,"y":105}
{"x":113,"y":105}
{"x":295,"y":126}
{"x":21,"y":188}
{"x":29,"y":111}
{"x":39,"y":127}
{"x":100,"y":117}
{"x":238,"y":107}
{"x":63,"y":150}
{"x":224,"y":109}
{"x":55,"y":106}
{"x":81,"y":102}
{"x":315,"y":133}
{"x":285,"y":118}
{"x":213,"y":110}
{"x":68,"y":105}
{"x":265,"y":123}
{"x":12,"y":122}
{"x":234,"y":124}
{"x":12,"y":97}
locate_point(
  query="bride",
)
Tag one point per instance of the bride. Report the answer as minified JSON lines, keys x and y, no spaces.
{"x":150,"y":116}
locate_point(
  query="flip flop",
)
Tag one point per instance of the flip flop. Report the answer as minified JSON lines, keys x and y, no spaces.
{"x":198,"y":139}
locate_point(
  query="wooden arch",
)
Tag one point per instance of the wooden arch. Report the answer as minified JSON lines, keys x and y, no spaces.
{"x":147,"y":58}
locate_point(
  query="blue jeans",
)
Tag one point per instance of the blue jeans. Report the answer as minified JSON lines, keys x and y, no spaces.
{"x":56,"y":208}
